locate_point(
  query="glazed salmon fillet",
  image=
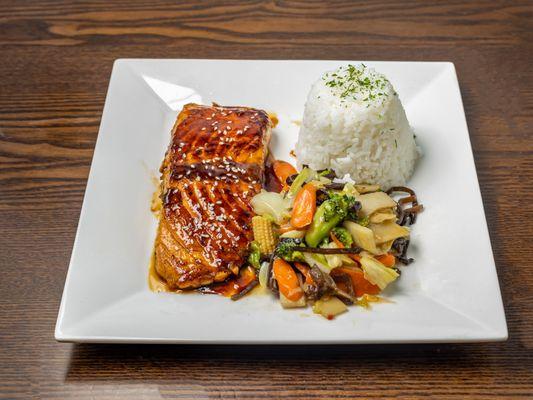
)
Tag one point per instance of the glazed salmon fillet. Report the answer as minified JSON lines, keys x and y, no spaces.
{"x":211,"y":170}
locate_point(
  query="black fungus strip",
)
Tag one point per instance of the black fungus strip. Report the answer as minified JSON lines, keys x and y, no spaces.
{"x":326,"y":285}
{"x":349,"y":296}
{"x":318,"y":250}
{"x":330,"y":173}
{"x":290,"y":179}
{"x":321,"y":196}
{"x":335,"y":186}
{"x":246,"y":289}
{"x":399,"y":248}
{"x":406,"y":216}
{"x":401,"y":189}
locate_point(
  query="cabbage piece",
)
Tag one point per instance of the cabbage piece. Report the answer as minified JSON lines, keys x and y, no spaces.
{"x":319,"y":260}
{"x":361,"y":188}
{"x":388,"y":231}
{"x":376,"y":273}
{"x":293,"y":234}
{"x":329,"y":307}
{"x":336,"y":260}
{"x":382,"y":216}
{"x":385,"y":246}
{"x":349,"y":188}
{"x":271,"y":204}
{"x":363,"y":237}
{"x":371,"y":202}
{"x":333,"y":260}
{"x":302,"y":177}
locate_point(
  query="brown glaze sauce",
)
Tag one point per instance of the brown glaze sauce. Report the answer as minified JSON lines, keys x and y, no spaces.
{"x":271,"y":182}
{"x":232,"y":286}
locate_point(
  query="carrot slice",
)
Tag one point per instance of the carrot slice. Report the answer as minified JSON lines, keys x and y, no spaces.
{"x":288,"y":282}
{"x":360,"y":284}
{"x":387,"y":260}
{"x":282,"y":170}
{"x":304,"y":269}
{"x":304,"y":206}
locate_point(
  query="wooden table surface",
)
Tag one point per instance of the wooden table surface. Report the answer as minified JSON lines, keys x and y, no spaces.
{"x":55,"y":62}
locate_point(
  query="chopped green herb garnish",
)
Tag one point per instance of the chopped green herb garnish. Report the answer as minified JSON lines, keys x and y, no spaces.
{"x":357,"y":83}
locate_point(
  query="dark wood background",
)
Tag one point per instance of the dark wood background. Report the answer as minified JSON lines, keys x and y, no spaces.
{"x":55,"y":62}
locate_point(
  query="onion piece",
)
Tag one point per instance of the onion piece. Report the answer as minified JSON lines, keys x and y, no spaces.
{"x":263,"y":274}
{"x":273,"y":204}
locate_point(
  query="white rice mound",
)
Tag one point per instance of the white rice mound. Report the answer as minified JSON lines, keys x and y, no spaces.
{"x":355,"y":124}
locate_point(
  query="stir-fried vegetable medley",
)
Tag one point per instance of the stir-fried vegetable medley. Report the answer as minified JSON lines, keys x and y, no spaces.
{"x":329,"y":244}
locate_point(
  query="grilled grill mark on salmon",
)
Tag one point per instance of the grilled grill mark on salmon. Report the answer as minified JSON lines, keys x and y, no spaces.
{"x":211,"y":171}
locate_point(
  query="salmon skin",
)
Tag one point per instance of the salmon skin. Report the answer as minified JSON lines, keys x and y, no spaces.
{"x":211,"y":170}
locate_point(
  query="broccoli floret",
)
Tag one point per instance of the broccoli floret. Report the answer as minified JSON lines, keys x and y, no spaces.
{"x":324,"y":242}
{"x":254,"y":258}
{"x":353,"y":210}
{"x":285,"y":247}
{"x":343,"y":235}
{"x":341,"y":206}
{"x":338,"y":207}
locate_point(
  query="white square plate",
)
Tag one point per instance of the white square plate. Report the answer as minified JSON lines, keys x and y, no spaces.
{"x":450,"y":293}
